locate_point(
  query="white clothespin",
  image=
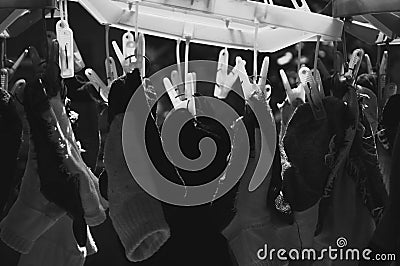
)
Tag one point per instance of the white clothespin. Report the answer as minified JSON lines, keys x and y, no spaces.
{"x":109,"y":63}
{"x":369,"y":64}
{"x":251,"y":88}
{"x":79,"y":64}
{"x":292,"y":94}
{"x":128,"y":47}
{"x":339,"y":63}
{"x":171,"y":88}
{"x":99,"y":85}
{"x":19,"y":85}
{"x":354,"y":65}
{"x":133,"y":53}
{"x":224,"y":81}
{"x":18,"y":62}
{"x":315,"y":72}
{"x":182,"y":98}
{"x":65,"y":38}
{"x":140,"y":54}
{"x":312,"y":92}
{"x":318,"y":79}
{"x":304,"y":6}
{"x":4,"y":79}
{"x":119,"y":54}
{"x":382,"y":79}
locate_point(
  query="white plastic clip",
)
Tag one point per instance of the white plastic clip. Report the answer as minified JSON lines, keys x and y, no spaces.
{"x":4,"y":79}
{"x":382,"y":78}
{"x":140,"y":54}
{"x":354,"y":65}
{"x":292,"y":94}
{"x":19,"y":61}
{"x":99,"y":85}
{"x":109,"y":63}
{"x":304,"y":6}
{"x":224,"y":81}
{"x":369,"y":64}
{"x":65,"y":38}
{"x":128,"y":47}
{"x":249,"y":89}
{"x":312,"y":92}
{"x":119,"y":54}
{"x":18,"y":86}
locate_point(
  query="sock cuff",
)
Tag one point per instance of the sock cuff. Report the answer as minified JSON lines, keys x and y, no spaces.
{"x":23,"y":226}
{"x":141,"y":226}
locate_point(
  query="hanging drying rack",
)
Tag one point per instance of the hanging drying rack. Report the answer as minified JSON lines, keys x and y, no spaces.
{"x":371,"y":19}
{"x":225,"y":23}
{"x":18,"y":15}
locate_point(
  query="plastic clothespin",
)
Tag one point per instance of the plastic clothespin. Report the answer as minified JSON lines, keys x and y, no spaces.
{"x":323,"y":69}
{"x":96,"y":81}
{"x":171,"y":88}
{"x":339,"y":63}
{"x":224,"y":81}
{"x":304,"y":6}
{"x":181,"y":95}
{"x":65,"y":38}
{"x":79,"y":64}
{"x":109,"y":63}
{"x":247,"y":87}
{"x":262,"y":80}
{"x":119,"y":54}
{"x":18,"y":62}
{"x":140,"y":54}
{"x":128,"y":47}
{"x":111,"y":70}
{"x":292,"y":94}
{"x":354,"y":65}
{"x":318,"y":79}
{"x":251,"y":88}
{"x":312,"y":92}
{"x":369,"y":64}
{"x":191,"y":87}
{"x":4,"y":79}
{"x":382,"y":78}
{"x":18,"y":86}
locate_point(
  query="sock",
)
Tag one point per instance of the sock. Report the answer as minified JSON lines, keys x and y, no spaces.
{"x":136,"y":216}
{"x":58,"y":247}
{"x":32,"y":214}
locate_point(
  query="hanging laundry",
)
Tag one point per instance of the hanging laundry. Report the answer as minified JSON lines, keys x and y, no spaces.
{"x":57,"y":246}
{"x":64,"y":178}
{"x":10,"y":138}
{"x":137,"y":217}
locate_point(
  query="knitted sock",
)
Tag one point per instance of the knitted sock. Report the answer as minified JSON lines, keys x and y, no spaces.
{"x":137,"y":217}
{"x":92,"y":201}
{"x":58,"y":247}
{"x":32,"y":214}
